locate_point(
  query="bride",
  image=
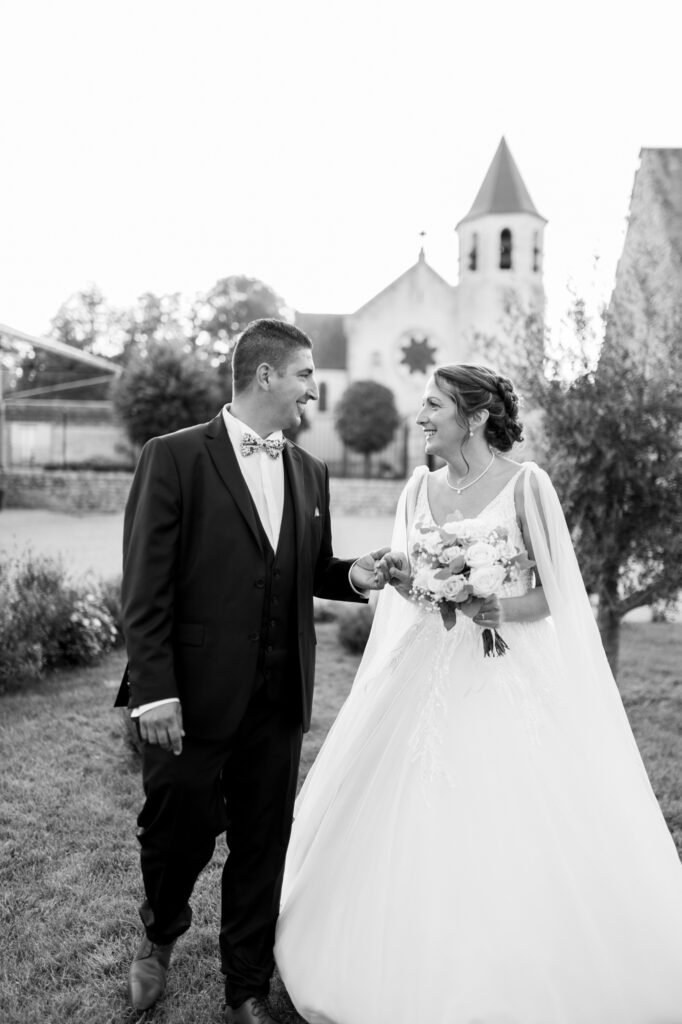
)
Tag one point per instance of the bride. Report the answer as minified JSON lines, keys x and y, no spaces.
{"x":477,"y":842}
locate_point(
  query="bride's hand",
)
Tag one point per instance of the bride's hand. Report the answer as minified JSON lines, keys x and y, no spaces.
{"x":485,"y":612}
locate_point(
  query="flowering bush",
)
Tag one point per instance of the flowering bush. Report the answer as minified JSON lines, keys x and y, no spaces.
{"x":45,"y":621}
{"x":110,"y":595}
{"x":87,"y":632}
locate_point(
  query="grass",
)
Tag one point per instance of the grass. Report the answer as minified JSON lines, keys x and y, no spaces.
{"x":69,"y":792}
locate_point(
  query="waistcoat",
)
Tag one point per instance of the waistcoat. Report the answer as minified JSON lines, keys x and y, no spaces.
{"x":278,"y":636}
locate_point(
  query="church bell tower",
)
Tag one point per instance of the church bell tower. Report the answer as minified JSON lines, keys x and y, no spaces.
{"x":501,"y":251}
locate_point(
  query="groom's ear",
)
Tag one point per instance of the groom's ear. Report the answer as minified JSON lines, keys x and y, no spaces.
{"x":264,"y":374}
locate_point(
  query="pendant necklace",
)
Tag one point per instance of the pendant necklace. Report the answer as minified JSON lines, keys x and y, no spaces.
{"x":458,"y":490}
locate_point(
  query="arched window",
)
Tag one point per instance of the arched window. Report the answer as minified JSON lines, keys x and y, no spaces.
{"x":537,"y":252}
{"x":473,"y":253}
{"x":505,"y":249}
{"x":322,"y":400}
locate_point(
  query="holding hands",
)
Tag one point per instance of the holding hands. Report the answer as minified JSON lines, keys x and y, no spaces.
{"x":377,"y":568}
{"x":396,"y":567}
{"x":393,"y":567}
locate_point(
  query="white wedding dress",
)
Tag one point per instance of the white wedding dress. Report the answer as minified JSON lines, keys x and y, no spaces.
{"x":477,"y":842}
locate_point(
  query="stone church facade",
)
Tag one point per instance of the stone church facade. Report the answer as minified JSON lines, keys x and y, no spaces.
{"x":420,"y":320}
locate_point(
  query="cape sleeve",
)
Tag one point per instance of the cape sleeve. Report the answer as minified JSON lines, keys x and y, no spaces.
{"x":591,"y":692}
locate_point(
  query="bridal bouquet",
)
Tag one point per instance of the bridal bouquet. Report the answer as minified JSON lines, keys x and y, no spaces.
{"x":462,"y":560}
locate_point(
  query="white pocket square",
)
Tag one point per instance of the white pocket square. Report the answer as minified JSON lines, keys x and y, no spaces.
{"x":316,"y":513}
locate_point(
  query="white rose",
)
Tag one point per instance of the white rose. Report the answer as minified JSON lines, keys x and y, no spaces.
{"x":487,"y":579}
{"x":480,"y":554}
{"x":453,"y":586}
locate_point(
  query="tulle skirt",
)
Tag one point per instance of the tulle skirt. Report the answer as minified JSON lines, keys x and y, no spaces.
{"x":465,"y":852}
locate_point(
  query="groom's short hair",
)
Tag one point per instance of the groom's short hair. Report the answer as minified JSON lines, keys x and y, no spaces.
{"x":265,"y":341}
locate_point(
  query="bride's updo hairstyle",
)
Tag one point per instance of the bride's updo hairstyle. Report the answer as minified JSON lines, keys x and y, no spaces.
{"x":473,"y":388}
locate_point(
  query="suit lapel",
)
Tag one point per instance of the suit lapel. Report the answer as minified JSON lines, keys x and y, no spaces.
{"x":225,"y":461}
{"x":294,"y":467}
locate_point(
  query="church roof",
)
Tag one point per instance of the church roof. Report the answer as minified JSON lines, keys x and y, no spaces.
{"x":503,"y":189}
{"x":328,"y":335}
{"x":420,"y":267}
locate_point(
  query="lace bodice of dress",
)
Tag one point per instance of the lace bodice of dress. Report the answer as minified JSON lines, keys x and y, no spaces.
{"x":501,"y":511}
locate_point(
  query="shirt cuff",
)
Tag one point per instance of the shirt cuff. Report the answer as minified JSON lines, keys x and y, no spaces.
{"x":136,"y":712}
{"x":361,"y":593}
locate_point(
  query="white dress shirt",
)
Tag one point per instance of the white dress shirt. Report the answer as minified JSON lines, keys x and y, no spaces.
{"x":264,"y":477}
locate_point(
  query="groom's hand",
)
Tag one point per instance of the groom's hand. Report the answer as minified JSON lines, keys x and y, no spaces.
{"x":162,"y":726}
{"x":370,"y":572}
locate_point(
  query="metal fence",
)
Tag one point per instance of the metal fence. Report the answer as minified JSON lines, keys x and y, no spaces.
{"x":391,"y":463}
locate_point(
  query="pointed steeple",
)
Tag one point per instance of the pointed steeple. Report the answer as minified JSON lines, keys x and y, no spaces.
{"x":503,"y":189}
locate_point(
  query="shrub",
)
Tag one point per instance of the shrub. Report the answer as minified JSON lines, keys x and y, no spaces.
{"x":165,"y":389}
{"x":110,"y":594}
{"x":29,"y":598}
{"x":85,"y":633}
{"x":46,"y":622}
{"x":354,"y":629}
{"x":323,"y":610}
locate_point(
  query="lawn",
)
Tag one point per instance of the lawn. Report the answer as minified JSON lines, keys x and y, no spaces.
{"x":69,"y":792}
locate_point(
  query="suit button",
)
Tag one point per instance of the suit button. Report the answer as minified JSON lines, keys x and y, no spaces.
{"x":260,"y":583}
{"x":269,"y":648}
{"x":253,"y":637}
{"x":276,"y":574}
{"x":272,"y":623}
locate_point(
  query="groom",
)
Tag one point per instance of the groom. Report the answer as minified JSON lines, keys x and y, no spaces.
{"x":226,"y":539}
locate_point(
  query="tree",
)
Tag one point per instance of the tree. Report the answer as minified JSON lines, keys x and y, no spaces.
{"x":154,"y":318}
{"x":84,"y":321}
{"x":221,"y":315}
{"x":613,"y":434}
{"x":164,"y":390}
{"x":366,"y":418}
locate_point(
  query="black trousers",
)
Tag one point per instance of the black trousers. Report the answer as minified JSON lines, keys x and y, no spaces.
{"x":246,"y":786}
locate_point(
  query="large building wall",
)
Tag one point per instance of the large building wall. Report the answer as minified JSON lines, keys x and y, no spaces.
{"x":418,"y":312}
{"x":646,"y":304}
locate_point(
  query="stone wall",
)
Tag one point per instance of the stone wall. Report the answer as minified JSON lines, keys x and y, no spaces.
{"x":353,"y":497}
{"x":61,"y":491}
{"x":83,"y":492}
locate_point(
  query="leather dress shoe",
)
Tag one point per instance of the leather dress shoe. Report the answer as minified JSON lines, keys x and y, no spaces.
{"x":253,"y":1011}
{"x":147,"y":977}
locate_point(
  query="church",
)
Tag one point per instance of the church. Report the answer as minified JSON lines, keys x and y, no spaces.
{"x":420,"y":320}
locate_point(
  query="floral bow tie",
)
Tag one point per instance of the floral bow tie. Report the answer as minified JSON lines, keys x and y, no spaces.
{"x":251,"y":443}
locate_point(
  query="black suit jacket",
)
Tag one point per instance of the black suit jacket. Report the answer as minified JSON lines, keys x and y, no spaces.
{"x":193,"y":568}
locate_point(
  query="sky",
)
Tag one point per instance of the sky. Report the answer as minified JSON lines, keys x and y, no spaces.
{"x":159,"y":146}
